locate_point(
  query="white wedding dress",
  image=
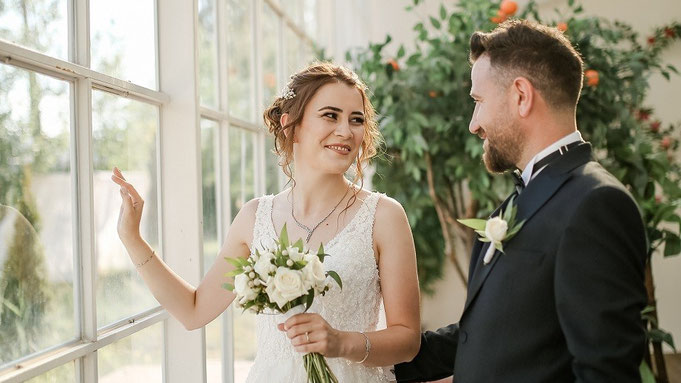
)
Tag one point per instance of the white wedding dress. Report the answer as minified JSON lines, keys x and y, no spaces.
{"x":354,"y":308}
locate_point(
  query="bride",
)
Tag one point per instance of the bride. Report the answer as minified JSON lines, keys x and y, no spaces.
{"x":323,"y":124}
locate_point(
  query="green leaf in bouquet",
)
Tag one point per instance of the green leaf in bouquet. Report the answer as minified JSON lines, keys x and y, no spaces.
{"x":474,"y":223}
{"x":299,"y":244}
{"x":237,"y":262}
{"x":283,"y":237}
{"x":234,"y":273}
{"x":335,"y":277}
{"x":228,"y":286}
{"x":320,"y":253}
{"x":309,"y":299}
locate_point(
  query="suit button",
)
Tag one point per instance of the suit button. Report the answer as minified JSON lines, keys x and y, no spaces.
{"x":463,"y":336}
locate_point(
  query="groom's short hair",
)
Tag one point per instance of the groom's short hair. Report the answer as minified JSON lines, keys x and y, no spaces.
{"x":537,"y":52}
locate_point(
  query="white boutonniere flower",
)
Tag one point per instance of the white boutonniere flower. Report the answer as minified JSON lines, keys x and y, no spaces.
{"x":496,"y":230}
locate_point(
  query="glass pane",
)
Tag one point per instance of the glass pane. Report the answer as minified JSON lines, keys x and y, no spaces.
{"x":244,"y":343}
{"x":214,"y":351}
{"x":270,"y":56}
{"x":294,"y":10}
{"x":136,"y":358}
{"x":241,"y":168}
{"x":208,"y":53}
{"x":62,"y":374}
{"x":123,"y":135}
{"x":37,"y":24}
{"x":272,"y":169}
{"x":310,"y":18}
{"x":242,"y":189}
{"x":122,"y":40}
{"x":294,"y":51}
{"x":240,"y":59}
{"x":36,"y":221}
{"x":209,"y":193}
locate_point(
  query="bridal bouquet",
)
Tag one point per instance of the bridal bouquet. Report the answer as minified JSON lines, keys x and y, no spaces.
{"x":284,"y":278}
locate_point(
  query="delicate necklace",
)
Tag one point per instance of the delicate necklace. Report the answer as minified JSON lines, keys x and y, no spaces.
{"x":307,"y":229}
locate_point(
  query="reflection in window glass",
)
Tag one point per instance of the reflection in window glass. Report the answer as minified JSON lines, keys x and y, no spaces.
{"x":63,"y":374}
{"x":122,"y":40}
{"x":136,"y":358}
{"x":240,"y":59}
{"x":36,"y":196}
{"x":214,"y":351}
{"x":208,"y":53}
{"x":270,"y":56}
{"x":123,"y":135}
{"x":39,"y":24}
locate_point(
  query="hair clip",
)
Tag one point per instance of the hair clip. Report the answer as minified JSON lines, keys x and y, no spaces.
{"x":287,"y":93}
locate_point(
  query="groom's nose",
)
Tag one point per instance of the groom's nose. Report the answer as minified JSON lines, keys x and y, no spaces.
{"x":473,"y":126}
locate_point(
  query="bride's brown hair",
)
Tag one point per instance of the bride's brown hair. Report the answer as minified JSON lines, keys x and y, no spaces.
{"x":305,"y":84}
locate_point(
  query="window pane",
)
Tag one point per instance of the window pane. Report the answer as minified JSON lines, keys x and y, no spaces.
{"x":136,"y":358}
{"x":123,"y":40}
{"x":242,"y":189}
{"x":208,"y":53}
{"x":40,"y":25}
{"x":214,"y":351}
{"x":36,"y":206}
{"x":209,"y":192}
{"x":310,"y":18}
{"x":270,"y":56}
{"x":241,"y":168}
{"x":240,"y":59}
{"x":272,"y":169}
{"x":62,"y":374}
{"x":294,"y":51}
{"x":123,"y":135}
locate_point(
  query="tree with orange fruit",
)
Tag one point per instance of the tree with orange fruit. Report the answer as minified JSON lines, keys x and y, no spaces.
{"x":430,"y":149}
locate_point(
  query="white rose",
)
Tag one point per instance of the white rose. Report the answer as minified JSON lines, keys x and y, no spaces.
{"x":294,"y":254}
{"x":286,"y":286}
{"x":242,"y":288}
{"x":263,"y":266}
{"x":314,"y":274}
{"x":495,"y":229}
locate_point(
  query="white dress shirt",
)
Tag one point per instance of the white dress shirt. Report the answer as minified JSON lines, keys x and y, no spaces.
{"x":527,"y":172}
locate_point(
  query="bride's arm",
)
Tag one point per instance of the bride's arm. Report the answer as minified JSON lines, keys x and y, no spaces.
{"x":193,"y":307}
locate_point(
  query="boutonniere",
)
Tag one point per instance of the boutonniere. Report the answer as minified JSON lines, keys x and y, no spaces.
{"x":496,"y":230}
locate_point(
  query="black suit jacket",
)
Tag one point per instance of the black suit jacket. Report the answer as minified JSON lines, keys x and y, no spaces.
{"x":563,"y":303}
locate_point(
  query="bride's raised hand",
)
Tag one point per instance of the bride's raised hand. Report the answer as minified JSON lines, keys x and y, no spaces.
{"x":131,"y":209}
{"x":309,"y":332}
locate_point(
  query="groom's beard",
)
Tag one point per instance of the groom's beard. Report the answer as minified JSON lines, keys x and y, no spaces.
{"x":503,"y":149}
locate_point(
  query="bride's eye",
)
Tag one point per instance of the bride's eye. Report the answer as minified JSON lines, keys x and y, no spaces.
{"x":330,"y":115}
{"x":357,"y":120}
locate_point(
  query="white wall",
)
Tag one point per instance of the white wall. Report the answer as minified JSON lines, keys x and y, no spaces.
{"x":359,"y":22}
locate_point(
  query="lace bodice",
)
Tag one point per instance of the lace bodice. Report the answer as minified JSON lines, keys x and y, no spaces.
{"x":354,"y":308}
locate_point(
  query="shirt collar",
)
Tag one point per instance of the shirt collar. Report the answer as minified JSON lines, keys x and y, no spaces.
{"x":570,"y":138}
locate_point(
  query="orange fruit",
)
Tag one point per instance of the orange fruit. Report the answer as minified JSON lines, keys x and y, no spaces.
{"x":394,"y":64}
{"x":432,"y":94}
{"x":655,"y":126}
{"x":562,"y":27}
{"x":651,"y":40}
{"x":509,"y":7}
{"x":666,"y":142}
{"x":591,"y":76}
{"x":669,"y":32}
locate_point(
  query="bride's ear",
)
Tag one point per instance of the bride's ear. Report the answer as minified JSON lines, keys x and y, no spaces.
{"x":283,"y":120}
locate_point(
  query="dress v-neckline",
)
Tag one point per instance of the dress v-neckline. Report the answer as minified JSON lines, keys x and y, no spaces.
{"x":330,"y":243}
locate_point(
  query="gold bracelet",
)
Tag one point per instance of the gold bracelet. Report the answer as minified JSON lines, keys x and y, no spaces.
{"x":138,"y":265}
{"x":367,"y":346}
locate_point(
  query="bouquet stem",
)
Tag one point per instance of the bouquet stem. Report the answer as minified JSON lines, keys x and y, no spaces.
{"x":317,"y":369}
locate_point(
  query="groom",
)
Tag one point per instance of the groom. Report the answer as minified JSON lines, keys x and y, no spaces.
{"x":563,"y":302}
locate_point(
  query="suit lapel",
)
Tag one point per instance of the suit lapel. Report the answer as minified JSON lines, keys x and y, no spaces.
{"x":535,"y":195}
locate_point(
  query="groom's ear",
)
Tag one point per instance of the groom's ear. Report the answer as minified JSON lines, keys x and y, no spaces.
{"x":524,"y":95}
